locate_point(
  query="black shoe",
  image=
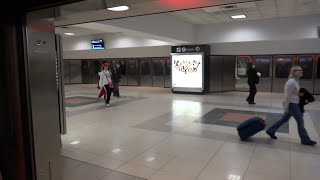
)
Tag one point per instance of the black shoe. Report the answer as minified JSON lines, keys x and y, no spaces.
{"x":251,"y":102}
{"x":310,"y":143}
{"x":271,"y":135}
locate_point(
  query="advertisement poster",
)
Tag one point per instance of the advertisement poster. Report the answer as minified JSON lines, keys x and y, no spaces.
{"x":187,"y":71}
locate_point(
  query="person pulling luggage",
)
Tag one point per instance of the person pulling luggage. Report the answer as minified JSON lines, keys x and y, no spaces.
{"x":291,"y":104}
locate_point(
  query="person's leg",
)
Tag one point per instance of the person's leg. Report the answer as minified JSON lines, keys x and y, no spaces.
{"x":117,"y":93}
{"x":115,"y":84}
{"x":109,"y":91}
{"x":249,"y":98}
{"x":272,"y":130}
{"x":254,"y":92}
{"x":296,"y":113}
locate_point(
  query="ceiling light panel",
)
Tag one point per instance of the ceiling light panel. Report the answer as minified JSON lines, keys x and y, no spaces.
{"x":119,"y":8}
{"x":240,"y":16}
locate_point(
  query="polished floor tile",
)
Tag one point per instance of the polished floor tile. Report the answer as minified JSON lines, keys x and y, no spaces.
{"x":140,"y":171}
{"x":86,"y":172}
{"x":151,"y":133}
{"x":119,"y":176}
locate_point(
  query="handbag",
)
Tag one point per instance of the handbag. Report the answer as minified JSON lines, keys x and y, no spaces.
{"x":111,"y":85}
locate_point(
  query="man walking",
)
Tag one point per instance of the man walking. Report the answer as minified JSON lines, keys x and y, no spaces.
{"x":116,"y":76}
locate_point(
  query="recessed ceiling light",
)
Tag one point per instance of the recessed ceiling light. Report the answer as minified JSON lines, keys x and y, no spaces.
{"x":116,"y":151}
{"x":69,"y":34}
{"x":75,"y":142}
{"x":241,"y":16}
{"x":118,"y":8}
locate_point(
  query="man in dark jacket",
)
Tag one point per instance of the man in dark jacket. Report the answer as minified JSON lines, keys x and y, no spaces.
{"x":116,"y":76}
{"x":253,"y":79}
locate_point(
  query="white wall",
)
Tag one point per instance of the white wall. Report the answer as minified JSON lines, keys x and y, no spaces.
{"x":294,"y":35}
{"x":304,"y":46}
{"x":115,"y":40}
{"x":156,"y":51}
{"x":158,"y":24}
{"x":261,"y":30}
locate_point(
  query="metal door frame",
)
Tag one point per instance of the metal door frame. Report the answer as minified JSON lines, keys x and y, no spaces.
{"x":314,"y":72}
{"x":236,"y":71}
{"x":271,"y":57}
{"x":293,"y":62}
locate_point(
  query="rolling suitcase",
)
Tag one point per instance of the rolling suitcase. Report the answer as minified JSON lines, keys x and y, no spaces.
{"x":250,"y":127}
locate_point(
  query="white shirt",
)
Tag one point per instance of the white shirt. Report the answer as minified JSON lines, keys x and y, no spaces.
{"x":105,"y":78}
{"x":291,"y":92}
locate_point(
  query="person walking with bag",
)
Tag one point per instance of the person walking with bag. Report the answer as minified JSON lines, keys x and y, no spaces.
{"x":291,"y":104}
{"x":106,"y":82}
{"x":253,"y":79}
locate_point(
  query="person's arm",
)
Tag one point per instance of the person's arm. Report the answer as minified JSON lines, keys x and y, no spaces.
{"x":100,"y":80}
{"x":98,"y":86}
{"x":288,"y":88}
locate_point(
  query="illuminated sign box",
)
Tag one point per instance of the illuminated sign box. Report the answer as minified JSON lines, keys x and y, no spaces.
{"x":188,"y":68}
{"x":97,"y":44}
{"x":187,"y":72}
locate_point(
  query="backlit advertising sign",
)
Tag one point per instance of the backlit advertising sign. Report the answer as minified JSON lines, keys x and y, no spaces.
{"x":187,"y":72}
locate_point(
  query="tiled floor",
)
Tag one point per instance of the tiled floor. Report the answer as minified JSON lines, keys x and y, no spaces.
{"x":150,"y":133}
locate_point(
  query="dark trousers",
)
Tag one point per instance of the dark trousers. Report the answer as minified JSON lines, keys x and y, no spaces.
{"x":116,"y":89}
{"x":294,"y":111}
{"x":109,"y":91}
{"x":253,"y":92}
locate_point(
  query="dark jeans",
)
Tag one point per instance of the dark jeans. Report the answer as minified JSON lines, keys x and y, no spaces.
{"x":109,"y":91}
{"x":294,"y":111}
{"x":253,"y":92}
{"x":116,"y":89}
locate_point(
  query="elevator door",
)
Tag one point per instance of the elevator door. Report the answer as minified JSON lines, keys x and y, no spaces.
{"x":132,"y":72}
{"x":264,"y":67}
{"x":124,"y":76}
{"x":167,"y":77}
{"x":317,"y":77}
{"x":145,"y":72}
{"x":94,"y":69}
{"x":66,"y":68}
{"x":241,"y":73}
{"x":282,"y":66}
{"x":307,"y":64}
{"x":216,"y":73}
{"x":85,"y":72}
{"x":158,"y":73}
{"x":228,"y":81}
{"x":75,"y":72}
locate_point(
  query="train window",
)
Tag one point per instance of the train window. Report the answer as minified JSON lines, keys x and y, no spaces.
{"x":145,"y":67}
{"x":242,"y":65}
{"x":168,"y":67}
{"x":158,"y":67}
{"x":306,"y":64}
{"x":132,"y":67}
{"x":263,"y":66}
{"x":123,"y":67}
{"x":283,"y":66}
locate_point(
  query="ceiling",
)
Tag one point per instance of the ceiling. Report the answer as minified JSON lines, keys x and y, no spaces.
{"x":253,"y":10}
{"x":95,"y":10}
{"x":78,"y":31}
